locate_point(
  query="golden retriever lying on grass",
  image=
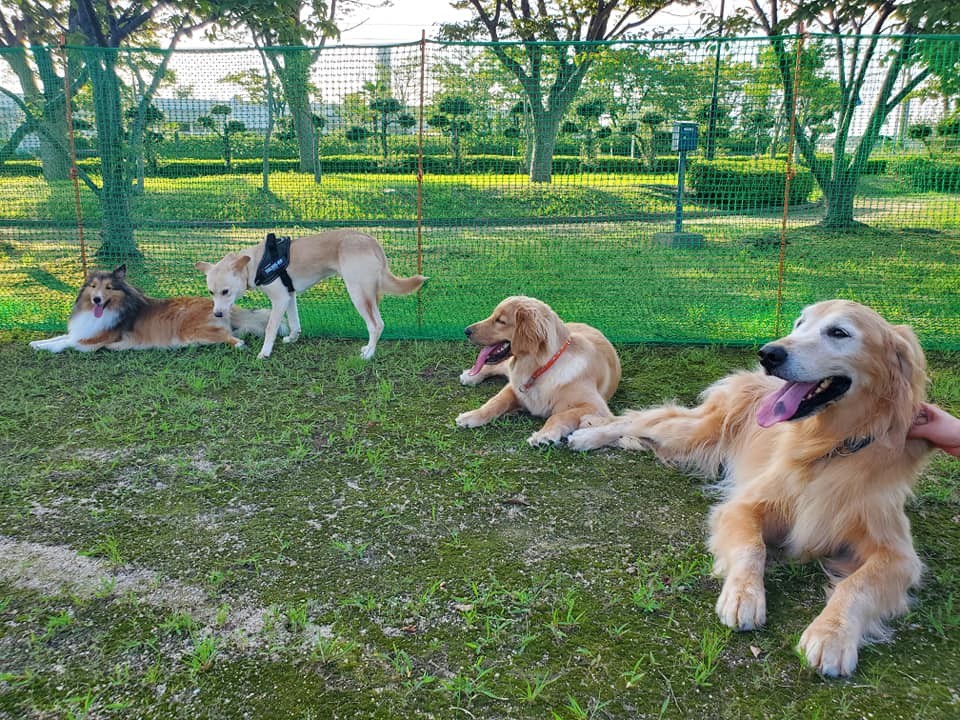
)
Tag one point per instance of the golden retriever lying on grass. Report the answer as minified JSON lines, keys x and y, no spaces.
{"x":560,"y":371}
{"x":815,"y":459}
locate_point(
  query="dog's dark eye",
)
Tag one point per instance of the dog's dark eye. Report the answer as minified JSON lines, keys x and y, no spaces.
{"x":210,"y":291}
{"x":837,"y":332}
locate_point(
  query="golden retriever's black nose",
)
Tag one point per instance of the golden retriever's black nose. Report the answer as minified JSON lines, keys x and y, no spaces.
{"x":468,"y":331}
{"x":772,"y":357}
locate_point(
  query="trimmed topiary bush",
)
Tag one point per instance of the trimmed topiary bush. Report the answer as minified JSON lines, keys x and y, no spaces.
{"x":744,"y":184}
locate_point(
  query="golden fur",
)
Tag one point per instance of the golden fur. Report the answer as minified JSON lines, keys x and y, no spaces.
{"x":355,"y":256}
{"x":579,"y":382}
{"x":802,"y":484}
{"x":110,"y":313}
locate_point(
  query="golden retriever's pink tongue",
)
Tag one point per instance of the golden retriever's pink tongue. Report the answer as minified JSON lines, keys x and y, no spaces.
{"x":782,"y":404}
{"x":98,"y":311}
{"x":482,"y":357}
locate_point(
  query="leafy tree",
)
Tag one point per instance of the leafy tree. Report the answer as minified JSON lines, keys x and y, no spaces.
{"x":451,"y":118}
{"x":293,"y":33}
{"x":102,"y":28}
{"x":357,"y":134}
{"x":384,"y":108}
{"x":652,"y":120}
{"x":589,"y":113}
{"x":867,"y":37}
{"x":922,"y":132}
{"x":152,"y":137}
{"x":27,"y":33}
{"x":224,"y":129}
{"x":550,"y":75}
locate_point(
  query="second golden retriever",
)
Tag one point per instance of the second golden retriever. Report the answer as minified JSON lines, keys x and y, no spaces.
{"x":815,"y":459}
{"x":556,"y":370}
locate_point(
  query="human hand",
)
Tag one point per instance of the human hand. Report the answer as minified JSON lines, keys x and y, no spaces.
{"x":939,"y":427}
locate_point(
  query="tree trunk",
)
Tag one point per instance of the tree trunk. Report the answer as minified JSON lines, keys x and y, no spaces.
{"x":546,"y":126}
{"x":117,"y":243}
{"x":839,"y":194}
{"x":295,"y":78}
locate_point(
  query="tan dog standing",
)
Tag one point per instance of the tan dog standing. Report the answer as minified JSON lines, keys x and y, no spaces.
{"x":556,"y":370}
{"x":355,"y":256}
{"x":815,"y":460}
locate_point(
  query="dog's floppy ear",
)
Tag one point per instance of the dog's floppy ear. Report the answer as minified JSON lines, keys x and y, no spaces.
{"x":908,"y":368}
{"x":240,"y":264}
{"x":202,"y":266}
{"x":528,"y":336}
{"x":120,"y":272}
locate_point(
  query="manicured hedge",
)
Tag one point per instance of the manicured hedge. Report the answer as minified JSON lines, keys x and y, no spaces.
{"x":925,"y":174}
{"x":740,"y":184}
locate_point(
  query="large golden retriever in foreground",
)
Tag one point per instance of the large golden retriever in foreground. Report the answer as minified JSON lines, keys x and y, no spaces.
{"x":556,"y":370}
{"x":815,"y":459}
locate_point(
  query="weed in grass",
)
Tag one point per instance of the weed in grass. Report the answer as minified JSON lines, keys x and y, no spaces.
{"x":703,"y":664}
{"x":943,"y":619}
{"x":178,"y":623}
{"x":565,"y":618}
{"x":533,"y":688}
{"x":401,"y":662}
{"x":297,"y":617}
{"x":573,"y":710}
{"x":641,"y":668}
{"x":201,"y":656}
{"x":107,"y":547}
{"x":327,"y":651}
{"x":56,"y":623}
{"x":105,"y":587}
{"x":469,"y":684}
{"x":359,"y":601}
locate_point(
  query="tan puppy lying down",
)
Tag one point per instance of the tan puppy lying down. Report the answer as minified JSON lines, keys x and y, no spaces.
{"x":355,"y":256}
{"x":556,"y":370}
{"x":815,"y":460}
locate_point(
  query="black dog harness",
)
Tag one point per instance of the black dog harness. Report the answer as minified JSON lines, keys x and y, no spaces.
{"x":273,"y":264}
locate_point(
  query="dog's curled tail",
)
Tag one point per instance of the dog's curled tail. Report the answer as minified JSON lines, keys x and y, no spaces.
{"x":252,"y":322}
{"x":390,"y":284}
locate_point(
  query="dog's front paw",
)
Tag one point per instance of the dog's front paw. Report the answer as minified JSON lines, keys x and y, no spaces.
{"x":366,"y":352}
{"x":541,"y":438}
{"x":742,"y":606}
{"x":291,"y":338}
{"x":36,"y":344}
{"x":466,"y":378}
{"x":470,"y":419}
{"x":829,"y":647}
{"x":239,"y":345}
{"x":586,"y":439}
{"x":263,"y":355}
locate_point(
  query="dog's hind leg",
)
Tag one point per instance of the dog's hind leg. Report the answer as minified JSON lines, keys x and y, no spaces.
{"x":561,"y":424}
{"x":293,"y":320}
{"x":364,"y":297}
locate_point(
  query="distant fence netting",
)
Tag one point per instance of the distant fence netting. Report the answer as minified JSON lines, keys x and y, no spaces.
{"x":185,"y":155}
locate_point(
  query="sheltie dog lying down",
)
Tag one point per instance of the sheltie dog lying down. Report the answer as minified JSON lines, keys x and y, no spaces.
{"x":110,"y":313}
{"x":812,"y":456}
{"x":555,"y":370}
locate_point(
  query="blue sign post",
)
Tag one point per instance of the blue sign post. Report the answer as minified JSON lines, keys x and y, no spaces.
{"x":683,"y":140}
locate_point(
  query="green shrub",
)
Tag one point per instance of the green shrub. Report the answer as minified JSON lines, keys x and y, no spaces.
{"x":741,"y":184}
{"x":928,"y":174}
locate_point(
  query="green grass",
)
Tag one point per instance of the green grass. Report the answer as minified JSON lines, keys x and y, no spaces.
{"x":610,"y":274}
{"x":202,"y":534}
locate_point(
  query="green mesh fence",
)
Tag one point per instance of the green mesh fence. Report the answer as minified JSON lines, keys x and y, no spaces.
{"x":562,"y":186}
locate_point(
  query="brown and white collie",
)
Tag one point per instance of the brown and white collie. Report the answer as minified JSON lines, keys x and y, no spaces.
{"x":110,"y":313}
